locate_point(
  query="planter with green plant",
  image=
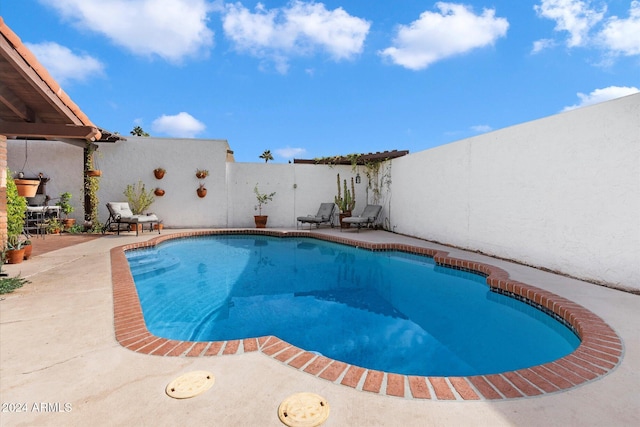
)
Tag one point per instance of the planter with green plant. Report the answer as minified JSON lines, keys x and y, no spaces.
{"x":346,"y":203}
{"x":66,"y":208}
{"x":16,"y":211}
{"x":263,"y":199}
{"x":28,"y":248}
{"x":140,"y":199}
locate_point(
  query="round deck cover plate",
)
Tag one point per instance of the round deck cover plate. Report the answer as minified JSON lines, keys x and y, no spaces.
{"x":190,"y":384}
{"x":303,"y":410}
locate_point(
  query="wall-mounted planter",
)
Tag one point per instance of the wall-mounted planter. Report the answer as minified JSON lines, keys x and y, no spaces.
{"x":27,"y":187}
{"x":202,"y":173}
{"x":201,"y":192}
{"x":158,"y":192}
{"x":159,"y":173}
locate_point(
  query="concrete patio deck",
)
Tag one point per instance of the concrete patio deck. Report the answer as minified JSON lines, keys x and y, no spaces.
{"x":60,"y":363}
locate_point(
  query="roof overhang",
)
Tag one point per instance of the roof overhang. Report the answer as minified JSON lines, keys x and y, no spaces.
{"x":32,"y":103}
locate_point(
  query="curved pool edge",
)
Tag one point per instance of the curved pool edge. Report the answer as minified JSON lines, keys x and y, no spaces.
{"x":599,"y":352}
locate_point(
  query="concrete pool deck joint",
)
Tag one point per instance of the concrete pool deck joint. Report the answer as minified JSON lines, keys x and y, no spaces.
{"x":599,"y":352}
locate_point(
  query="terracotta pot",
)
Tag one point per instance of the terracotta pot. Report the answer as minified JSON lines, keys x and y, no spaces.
{"x":15,"y":256}
{"x":159,"y":174}
{"x":158,"y":192}
{"x":201,"y":175}
{"x":27,"y":187}
{"x":202,"y":192}
{"x":132,"y":227}
{"x":93,"y":173}
{"x":345,"y":215}
{"x":68,"y":223}
{"x":261,"y":221}
{"x":27,"y":251}
{"x":158,"y":226}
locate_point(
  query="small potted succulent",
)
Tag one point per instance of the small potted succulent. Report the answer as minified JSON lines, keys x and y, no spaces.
{"x":202,"y":173}
{"x":159,"y":173}
{"x":202,"y":190}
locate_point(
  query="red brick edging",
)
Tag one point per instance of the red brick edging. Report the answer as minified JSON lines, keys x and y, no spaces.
{"x":600,"y":350}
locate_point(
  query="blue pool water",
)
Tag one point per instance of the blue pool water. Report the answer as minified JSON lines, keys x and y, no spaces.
{"x":389,"y":311}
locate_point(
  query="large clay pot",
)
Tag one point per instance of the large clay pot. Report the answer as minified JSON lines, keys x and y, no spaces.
{"x":27,"y":187}
{"x":68,"y":223}
{"x":345,"y":215}
{"x":261,"y":220}
{"x":15,"y":256}
{"x":27,"y":251}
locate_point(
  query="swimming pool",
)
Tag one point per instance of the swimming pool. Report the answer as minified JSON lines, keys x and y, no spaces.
{"x":599,"y":353}
{"x":390,"y":311}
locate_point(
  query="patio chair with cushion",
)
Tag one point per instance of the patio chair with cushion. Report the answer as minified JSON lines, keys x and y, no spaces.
{"x":120,"y":213}
{"x":325,"y":214}
{"x":368,"y":217}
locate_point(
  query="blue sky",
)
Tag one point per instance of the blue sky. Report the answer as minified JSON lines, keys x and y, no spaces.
{"x":311,"y":79}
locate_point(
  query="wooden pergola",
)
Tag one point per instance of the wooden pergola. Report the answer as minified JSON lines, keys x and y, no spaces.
{"x":34,"y":106}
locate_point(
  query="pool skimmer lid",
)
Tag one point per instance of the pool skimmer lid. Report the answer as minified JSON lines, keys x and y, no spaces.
{"x":303,"y":410}
{"x":190,"y":384}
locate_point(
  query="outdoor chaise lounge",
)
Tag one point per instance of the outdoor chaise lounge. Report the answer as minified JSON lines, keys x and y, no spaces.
{"x":120,"y":213}
{"x":368,"y":217}
{"x":325,"y":214}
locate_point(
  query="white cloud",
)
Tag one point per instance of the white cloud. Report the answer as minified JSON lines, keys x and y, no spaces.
{"x":170,"y":29}
{"x":542,"y":44}
{"x":63,"y":64}
{"x":435,"y":36}
{"x":601,"y":95}
{"x":481,"y":128}
{"x":574,"y":16}
{"x":289,"y":152}
{"x":182,"y":125}
{"x":623,"y":35}
{"x":298,"y":29}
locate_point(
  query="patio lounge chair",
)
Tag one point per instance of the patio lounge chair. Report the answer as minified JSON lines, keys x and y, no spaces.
{"x":325,"y":214}
{"x":368,"y":217}
{"x":120,"y":213}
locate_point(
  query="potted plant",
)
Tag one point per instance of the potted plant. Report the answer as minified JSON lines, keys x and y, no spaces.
{"x":202,"y":190}
{"x":159,"y":173}
{"x":15,"y":250}
{"x":90,"y":169}
{"x":202,"y":173}
{"x":346,"y":203}
{"x":28,"y":248}
{"x":66,"y":208}
{"x":54,"y":226}
{"x":263,"y":199}
{"x":158,"y":192}
{"x":16,"y":211}
{"x":139,"y":199}
{"x":27,"y":187}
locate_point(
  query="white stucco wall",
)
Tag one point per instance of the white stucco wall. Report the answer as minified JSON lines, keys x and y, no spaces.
{"x":562,"y":192}
{"x":128,"y":161}
{"x":299,"y":188}
{"x":62,"y":163}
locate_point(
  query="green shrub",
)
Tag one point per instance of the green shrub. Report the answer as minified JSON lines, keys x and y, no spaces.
{"x":10,"y":284}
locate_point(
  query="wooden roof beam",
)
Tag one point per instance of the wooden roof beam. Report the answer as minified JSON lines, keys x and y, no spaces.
{"x":48,"y":130}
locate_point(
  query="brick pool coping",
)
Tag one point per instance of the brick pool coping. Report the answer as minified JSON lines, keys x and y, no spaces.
{"x":599,"y":352}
